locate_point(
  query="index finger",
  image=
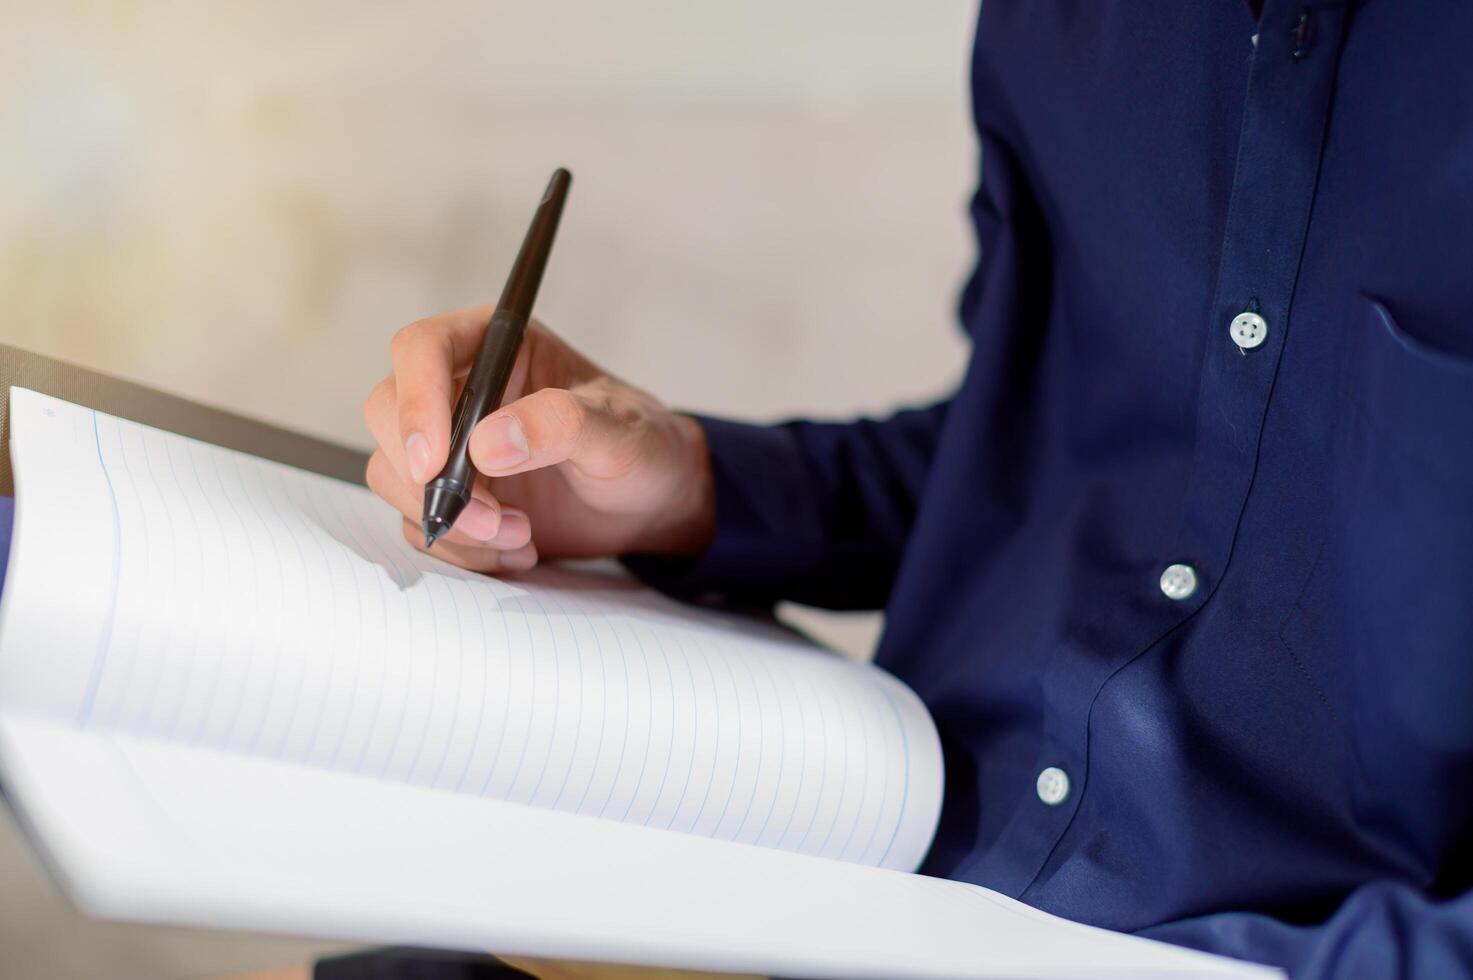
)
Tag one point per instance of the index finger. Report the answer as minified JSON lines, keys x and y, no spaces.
{"x":428,"y":355}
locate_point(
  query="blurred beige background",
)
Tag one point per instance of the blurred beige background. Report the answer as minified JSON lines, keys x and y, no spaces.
{"x":241,"y":202}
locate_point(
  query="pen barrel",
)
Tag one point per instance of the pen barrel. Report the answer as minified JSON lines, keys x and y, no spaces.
{"x":484,"y":388}
{"x":526,"y":275}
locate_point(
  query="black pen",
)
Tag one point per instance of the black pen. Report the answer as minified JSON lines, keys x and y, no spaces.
{"x":447,"y":494}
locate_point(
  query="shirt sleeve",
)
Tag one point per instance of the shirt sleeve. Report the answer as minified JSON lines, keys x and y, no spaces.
{"x":1380,"y":930}
{"x":815,"y":512}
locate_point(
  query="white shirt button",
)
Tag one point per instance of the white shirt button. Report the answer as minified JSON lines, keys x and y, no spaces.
{"x":1053,"y":786}
{"x":1178,"y":582}
{"x":1248,"y":330}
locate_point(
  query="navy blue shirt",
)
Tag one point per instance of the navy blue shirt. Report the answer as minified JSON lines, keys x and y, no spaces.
{"x":1269,"y":751}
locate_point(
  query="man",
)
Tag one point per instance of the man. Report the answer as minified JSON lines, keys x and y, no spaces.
{"x":1182,"y":567}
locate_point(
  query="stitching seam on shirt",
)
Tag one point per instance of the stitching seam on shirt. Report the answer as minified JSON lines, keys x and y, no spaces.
{"x":1295,"y":612}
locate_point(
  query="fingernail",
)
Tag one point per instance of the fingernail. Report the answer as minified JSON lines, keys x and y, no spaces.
{"x":417,"y":452}
{"x":478,"y":521}
{"x":503,"y":444}
{"x":519,"y":559}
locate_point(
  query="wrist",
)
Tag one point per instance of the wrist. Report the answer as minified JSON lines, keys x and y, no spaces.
{"x":686,"y":523}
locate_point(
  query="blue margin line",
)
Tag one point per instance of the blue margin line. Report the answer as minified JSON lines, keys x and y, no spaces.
{"x":90,"y":697}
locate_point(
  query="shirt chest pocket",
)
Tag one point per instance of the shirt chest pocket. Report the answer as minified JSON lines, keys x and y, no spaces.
{"x":1385,"y":622}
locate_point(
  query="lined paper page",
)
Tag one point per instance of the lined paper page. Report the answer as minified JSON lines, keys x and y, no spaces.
{"x":164,"y":587}
{"x":150,"y":830}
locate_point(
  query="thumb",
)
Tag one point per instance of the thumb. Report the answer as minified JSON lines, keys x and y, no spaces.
{"x":582,"y":426}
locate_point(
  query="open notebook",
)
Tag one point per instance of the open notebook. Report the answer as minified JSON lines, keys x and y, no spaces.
{"x":232,"y":695}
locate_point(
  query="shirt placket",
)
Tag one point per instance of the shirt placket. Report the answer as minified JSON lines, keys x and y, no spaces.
{"x":1285,"y":113}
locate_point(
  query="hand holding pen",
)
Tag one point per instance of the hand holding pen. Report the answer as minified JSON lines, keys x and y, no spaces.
{"x":573,"y":463}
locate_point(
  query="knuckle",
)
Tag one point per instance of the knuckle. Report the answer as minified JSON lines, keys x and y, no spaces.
{"x":608,"y":399}
{"x":569,"y":413}
{"x":373,"y":405}
{"x":373,"y":472}
{"x":487,"y":498}
{"x":413,"y":416}
{"x":416,"y":413}
{"x":410,"y":337}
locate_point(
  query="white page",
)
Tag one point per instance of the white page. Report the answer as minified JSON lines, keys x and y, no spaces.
{"x":161,"y":586}
{"x":149,"y":830}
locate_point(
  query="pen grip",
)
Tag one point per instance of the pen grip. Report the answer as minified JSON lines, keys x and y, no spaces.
{"x":484,"y":388}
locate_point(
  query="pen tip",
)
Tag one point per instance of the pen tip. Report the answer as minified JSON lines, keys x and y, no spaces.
{"x":434,"y":525}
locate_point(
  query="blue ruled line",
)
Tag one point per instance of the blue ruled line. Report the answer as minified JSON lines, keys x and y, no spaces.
{"x":905,"y":778}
